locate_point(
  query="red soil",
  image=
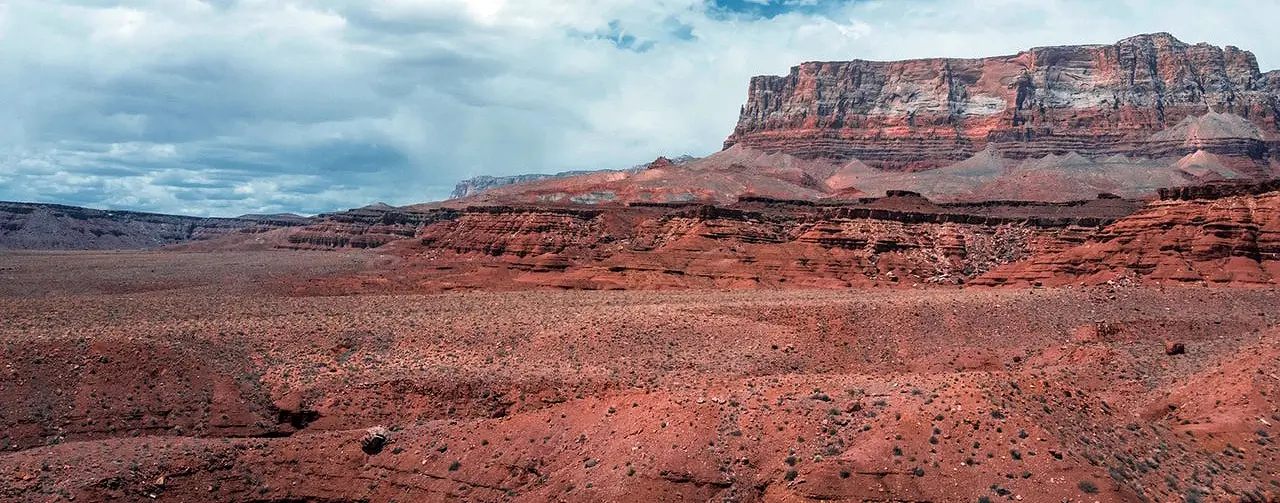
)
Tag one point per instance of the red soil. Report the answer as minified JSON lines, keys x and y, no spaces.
{"x":194,"y":377}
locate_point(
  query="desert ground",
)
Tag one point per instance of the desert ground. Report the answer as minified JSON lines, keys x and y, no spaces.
{"x":228,"y":376}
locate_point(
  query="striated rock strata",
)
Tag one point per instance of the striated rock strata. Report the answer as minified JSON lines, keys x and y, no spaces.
{"x":1149,"y":96}
{"x":1221,"y":234}
{"x":760,"y":242}
{"x":368,"y":227}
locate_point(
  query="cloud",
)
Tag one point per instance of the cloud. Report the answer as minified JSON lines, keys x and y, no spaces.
{"x":236,"y":106}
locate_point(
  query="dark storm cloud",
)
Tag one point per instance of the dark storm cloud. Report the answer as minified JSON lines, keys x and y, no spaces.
{"x":208,"y":195}
{"x":109,"y":170}
{"x":356,"y":158}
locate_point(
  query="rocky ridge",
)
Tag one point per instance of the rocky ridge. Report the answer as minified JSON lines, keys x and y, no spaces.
{"x":367,"y":227}
{"x":38,"y":226}
{"x":757,"y":242}
{"x":1215,"y":234}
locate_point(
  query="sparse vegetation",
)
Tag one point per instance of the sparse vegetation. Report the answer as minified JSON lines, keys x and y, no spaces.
{"x":640,"y":375}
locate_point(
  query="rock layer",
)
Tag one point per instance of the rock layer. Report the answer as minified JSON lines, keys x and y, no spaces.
{"x":760,"y":242}
{"x":1147,"y":96}
{"x":1220,"y":234}
{"x":368,"y":227}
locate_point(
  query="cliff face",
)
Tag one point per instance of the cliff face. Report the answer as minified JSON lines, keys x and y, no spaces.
{"x":368,"y":227}
{"x":1224,"y":234}
{"x":1146,"y":96}
{"x":33,"y":226}
{"x":760,"y":242}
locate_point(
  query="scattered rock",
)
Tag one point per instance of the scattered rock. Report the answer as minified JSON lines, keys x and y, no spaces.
{"x":374,"y":440}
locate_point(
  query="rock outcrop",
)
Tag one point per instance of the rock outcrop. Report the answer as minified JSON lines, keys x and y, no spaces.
{"x":1149,"y":96}
{"x":34,"y":226}
{"x":368,"y":227}
{"x":759,"y":242}
{"x":1217,"y":234}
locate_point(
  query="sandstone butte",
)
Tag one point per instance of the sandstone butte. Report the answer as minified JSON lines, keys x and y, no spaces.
{"x":1147,"y":96}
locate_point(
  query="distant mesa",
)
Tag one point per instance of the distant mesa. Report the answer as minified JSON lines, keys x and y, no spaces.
{"x":38,"y":226}
{"x":1150,"y":96}
{"x":274,"y":216}
{"x":475,"y":185}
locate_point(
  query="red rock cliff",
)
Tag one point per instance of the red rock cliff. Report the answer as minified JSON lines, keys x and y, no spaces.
{"x":1217,"y":234}
{"x":1147,"y":96}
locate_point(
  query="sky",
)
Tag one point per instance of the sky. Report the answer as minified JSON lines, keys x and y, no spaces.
{"x":226,"y":107}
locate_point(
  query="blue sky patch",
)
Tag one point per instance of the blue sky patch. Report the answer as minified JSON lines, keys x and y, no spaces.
{"x":679,"y":30}
{"x":769,"y":9}
{"x":621,"y":39}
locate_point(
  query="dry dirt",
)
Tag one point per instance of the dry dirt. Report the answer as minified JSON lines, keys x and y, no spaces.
{"x":206,"y":377}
